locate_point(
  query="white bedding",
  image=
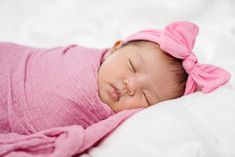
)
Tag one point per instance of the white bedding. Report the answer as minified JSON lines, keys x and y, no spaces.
{"x":197,"y":125}
{"x":193,"y":126}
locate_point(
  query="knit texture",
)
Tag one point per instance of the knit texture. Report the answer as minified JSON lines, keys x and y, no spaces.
{"x":44,"y":88}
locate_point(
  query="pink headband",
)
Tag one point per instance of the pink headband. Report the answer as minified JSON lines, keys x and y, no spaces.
{"x":178,"y":40}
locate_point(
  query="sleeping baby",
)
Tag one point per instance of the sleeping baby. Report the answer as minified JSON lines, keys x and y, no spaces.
{"x":44,"y":88}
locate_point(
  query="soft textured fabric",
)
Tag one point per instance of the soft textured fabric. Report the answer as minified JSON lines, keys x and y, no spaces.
{"x":60,"y":142}
{"x":178,"y":40}
{"x":46,"y":88}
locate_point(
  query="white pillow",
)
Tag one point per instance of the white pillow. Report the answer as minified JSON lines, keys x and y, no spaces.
{"x":198,"y":125}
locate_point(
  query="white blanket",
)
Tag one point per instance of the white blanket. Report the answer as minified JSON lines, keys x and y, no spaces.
{"x":197,"y":125}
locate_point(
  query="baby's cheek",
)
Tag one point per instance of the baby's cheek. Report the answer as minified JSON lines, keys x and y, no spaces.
{"x":132,"y":102}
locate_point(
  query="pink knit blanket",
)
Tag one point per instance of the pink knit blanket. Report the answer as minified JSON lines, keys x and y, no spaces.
{"x":60,"y":142}
{"x":49,"y":103}
{"x":45,"y":88}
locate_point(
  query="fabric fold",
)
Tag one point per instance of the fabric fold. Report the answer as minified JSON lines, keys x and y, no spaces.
{"x":42,"y":88}
{"x":61,"y":141}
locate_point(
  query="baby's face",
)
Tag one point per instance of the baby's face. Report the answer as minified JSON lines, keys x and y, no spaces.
{"x":135,"y":77}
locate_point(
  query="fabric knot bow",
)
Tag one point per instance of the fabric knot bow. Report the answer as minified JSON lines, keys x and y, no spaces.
{"x":178,"y":40}
{"x":190,"y":63}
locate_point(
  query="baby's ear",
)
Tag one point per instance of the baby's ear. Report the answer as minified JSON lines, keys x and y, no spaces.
{"x":118,"y":44}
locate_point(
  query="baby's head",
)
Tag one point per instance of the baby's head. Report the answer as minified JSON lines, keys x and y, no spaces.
{"x":139,"y":74}
{"x":153,"y":66}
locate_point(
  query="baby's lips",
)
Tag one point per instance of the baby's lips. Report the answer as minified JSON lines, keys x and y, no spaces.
{"x":114,"y":93}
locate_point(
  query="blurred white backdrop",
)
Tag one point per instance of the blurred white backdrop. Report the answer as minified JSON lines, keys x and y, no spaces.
{"x":99,"y":23}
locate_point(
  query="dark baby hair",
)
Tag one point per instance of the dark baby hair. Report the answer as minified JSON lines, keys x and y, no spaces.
{"x":175,"y":65}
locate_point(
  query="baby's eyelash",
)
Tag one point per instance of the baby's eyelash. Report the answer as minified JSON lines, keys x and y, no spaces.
{"x":146,"y":98}
{"x":132,"y":65}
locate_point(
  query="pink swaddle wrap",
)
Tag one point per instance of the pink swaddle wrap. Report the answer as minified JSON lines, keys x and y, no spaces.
{"x":46,"y":88}
{"x":49,"y":103}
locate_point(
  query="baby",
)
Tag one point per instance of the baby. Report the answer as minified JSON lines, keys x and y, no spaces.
{"x":45,"y":88}
{"x":153,"y":65}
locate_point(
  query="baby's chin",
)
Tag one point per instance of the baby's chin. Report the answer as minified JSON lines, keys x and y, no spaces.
{"x":104,"y":98}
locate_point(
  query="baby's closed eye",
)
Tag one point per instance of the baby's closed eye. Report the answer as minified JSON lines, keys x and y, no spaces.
{"x":132,"y":66}
{"x":146,"y":99}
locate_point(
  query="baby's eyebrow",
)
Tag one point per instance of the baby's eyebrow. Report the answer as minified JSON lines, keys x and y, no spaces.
{"x":141,"y":59}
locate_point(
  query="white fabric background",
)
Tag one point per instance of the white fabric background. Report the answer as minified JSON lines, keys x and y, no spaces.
{"x":100,"y":23}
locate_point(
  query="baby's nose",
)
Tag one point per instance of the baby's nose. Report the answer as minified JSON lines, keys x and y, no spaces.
{"x":130,"y":86}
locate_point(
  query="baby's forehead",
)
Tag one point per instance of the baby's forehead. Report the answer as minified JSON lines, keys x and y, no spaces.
{"x":143,"y":47}
{"x":150,"y":56}
{"x":142,"y":44}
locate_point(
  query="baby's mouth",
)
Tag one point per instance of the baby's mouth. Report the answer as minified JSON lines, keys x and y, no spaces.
{"x":114,"y":93}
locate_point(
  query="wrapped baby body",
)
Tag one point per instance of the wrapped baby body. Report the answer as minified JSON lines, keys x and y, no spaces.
{"x":46,"y":88}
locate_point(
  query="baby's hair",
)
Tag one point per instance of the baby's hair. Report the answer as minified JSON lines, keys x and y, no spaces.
{"x":175,"y":65}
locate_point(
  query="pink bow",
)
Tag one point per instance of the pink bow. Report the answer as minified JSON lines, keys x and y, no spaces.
{"x":178,"y":40}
